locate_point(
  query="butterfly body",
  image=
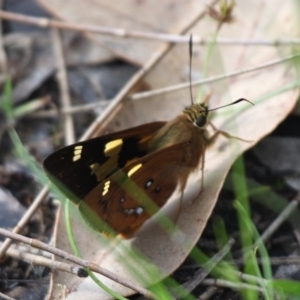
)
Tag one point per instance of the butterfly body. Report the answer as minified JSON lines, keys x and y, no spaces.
{"x":114,"y":175}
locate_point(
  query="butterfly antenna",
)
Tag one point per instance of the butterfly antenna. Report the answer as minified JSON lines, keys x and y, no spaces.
{"x":190,"y":72}
{"x":235,"y":102}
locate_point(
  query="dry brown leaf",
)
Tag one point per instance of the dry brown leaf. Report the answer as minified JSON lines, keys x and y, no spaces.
{"x":37,"y":62}
{"x":167,"y":16}
{"x":256,"y":19}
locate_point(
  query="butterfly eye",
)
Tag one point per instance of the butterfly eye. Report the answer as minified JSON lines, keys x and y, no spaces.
{"x":201,"y":121}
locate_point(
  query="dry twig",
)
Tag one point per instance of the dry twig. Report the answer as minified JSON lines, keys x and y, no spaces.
{"x":123,"y":33}
{"x":94,"y":267}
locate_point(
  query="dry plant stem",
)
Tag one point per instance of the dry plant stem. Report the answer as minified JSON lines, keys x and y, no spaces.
{"x":70,"y":110}
{"x":63,"y":85}
{"x":278,"y":221}
{"x":257,"y":281}
{"x":239,"y":286}
{"x":30,"y":107}
{"x":123,"y":33}
{"x":138,"y":96}
{"x":3,"y":58}
{"x":211,"y":79}
{"x":118,"y":32}
{"x":274,"y":261}
{"x":273,"y":227}
{"x":203,"y":272}
{"x":232,"y":285}
{"x":86,"y":264}
{"x":208,"y":293}
{"x":297,"y":235}
{"x":142,"y":95}
{"x":4,"y":297}
{"x":49,"y":263}
{"x":30,"y":250}
{"x":252,"y":279}
{"x":26,"y":217}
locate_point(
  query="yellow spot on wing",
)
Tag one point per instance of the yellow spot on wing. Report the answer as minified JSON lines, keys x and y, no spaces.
{"x":95,"y":169}
{"x":106,"y":188}
{"x":102,"y":171}
{"x":77,"y":152}
{"x":76,"y":157}
{"x":113,"y":148}
{"x":133,"y":170}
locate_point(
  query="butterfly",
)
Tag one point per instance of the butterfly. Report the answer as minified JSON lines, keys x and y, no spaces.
{"x":112,"y":177}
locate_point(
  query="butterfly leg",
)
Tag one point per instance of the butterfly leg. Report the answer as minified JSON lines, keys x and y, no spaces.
{"x":178,"y":208}
{"x":202,"y":177}
{"x":212,"y":139}
{"x":202,"y":172}
{"x":209,"y":142}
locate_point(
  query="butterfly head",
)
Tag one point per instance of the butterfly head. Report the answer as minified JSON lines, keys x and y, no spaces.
{"x":197,"y":114}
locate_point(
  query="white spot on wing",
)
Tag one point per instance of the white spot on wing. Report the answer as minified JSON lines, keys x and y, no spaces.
{"x":139,"y":210}
{"x":148,"y":183}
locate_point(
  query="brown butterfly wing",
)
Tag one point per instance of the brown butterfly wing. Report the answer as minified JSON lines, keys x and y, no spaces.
{"x":80,"y":167}
{"x":122,"y":200}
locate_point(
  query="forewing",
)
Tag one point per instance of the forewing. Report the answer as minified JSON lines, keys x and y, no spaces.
{"x":82,"y":166}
